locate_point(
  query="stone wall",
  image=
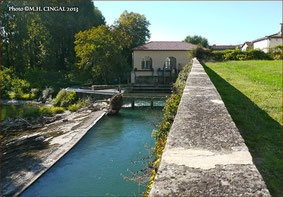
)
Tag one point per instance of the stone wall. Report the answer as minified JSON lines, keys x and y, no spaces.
{"x":205,"y":154}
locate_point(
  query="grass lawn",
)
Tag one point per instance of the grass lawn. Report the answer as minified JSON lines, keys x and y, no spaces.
{"x":252,"y":93}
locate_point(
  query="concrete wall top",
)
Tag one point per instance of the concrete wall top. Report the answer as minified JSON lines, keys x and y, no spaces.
{"x":205,"y":154}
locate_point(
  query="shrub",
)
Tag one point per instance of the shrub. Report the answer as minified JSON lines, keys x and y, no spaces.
{"x":236,"y":54}
{"x":257,"y":55}
{"x":47,"y":92}
{"x":276,"y":52}
{"x":179,"y":85}
{"x":13,"y":87}
{"x":218,"y":56}
{"x":48,"y":111}
{"x":78,"y":105}
{"x":35,"y":92}
{"x":31,"y":112}
{"x":201,"y":53}
{"x":170,"y":110}
{"x":172,"y":104}
{"x":65,"y":98}
{"x":45,"y":111}
{"x":57,"y":110}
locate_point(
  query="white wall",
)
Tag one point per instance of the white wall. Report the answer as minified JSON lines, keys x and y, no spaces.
{"x":159,"y":57}
{"x":275,"y":42}
{"x":244,"y":48}
{"x":261,"y":45}
{"x":158,"y":60}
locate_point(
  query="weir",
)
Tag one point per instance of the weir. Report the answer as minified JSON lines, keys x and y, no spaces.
{"x":151,"y":99}
{"x":205,"y":154}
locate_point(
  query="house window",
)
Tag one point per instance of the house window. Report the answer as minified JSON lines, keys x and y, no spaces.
{"x":170,"y":63}
{"x":146,"y":63}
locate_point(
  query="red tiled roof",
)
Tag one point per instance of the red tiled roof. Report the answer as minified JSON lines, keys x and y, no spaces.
{"x":165,"y":46}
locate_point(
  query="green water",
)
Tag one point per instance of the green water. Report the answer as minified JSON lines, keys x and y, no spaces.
{"x":94,"y":166}
{"x":13,"y":111}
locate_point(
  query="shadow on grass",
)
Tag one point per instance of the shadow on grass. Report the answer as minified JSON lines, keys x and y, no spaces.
{"x":262,"y":134}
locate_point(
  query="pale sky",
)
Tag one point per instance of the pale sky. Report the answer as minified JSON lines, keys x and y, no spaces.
{"x":221,"y":22}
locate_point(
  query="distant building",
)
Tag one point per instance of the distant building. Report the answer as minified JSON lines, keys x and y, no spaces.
{"x":223,"y":47}
{"x":159,"y":62}
{"x":245,"y":46}
{"x":265,"y":42}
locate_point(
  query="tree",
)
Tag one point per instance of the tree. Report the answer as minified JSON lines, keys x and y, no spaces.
{"x":63,"y":28}
{"x":135,"y":25}
{"x":94,"y":46}
{"x":197,"y":40}
{"x":100,"y":53}
{"x":133,"y":28}
{"x":13,"y":35}
{"x":43,"y":40}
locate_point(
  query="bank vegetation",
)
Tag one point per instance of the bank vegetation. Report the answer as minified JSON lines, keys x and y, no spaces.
{"x":170,"y":111}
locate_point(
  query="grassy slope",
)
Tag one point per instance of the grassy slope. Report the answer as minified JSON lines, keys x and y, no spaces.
{"x":252,"y":93}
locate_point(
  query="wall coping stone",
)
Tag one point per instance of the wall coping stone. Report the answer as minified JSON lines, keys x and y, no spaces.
{"x":205,"y":155}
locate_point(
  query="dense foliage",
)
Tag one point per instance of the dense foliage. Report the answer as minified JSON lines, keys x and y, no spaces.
{"x":38,"y":47}
{"x":227,"y":55}
{"x":105,"y":52}
{"x":276,"y":52}
{"x":198,"y":40}
{"x":43,"y":40}
{"x":41,"y":49}
{"x":65,"y":98}
{"x":100,"y":54}
{"x":240,"y":55}
{"x":134,"y":25}
{"x":13,"y":87}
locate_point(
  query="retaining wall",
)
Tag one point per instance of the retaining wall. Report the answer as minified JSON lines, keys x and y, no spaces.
{"x":205,"y":154}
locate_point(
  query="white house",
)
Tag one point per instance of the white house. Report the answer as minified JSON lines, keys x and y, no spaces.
{"x":159,"y":62}
{"x":246,"y":45}
{"x":267,"y":41}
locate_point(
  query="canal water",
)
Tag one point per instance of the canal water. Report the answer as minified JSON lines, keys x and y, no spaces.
{"x":94,"y":166}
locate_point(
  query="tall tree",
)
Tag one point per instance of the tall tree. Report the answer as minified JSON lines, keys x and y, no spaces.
{"x":135,"y":25}
{"x":136,"y":32}
{"x":100,"y":53}
{"x":197,"y":40}
{"x":44,"y":40}
{"x":13,"y":36}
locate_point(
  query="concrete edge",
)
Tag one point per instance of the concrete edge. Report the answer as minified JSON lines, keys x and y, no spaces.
{"x":243,"y":157}
{"x":63,"y":154}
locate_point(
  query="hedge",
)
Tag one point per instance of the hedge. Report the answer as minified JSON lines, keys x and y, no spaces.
{"x":228,"y":55}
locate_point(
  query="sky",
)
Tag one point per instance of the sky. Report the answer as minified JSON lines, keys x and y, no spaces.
{"x":221,"y":22}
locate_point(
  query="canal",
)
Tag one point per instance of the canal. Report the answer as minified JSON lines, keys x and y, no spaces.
{"x":94,"y":166}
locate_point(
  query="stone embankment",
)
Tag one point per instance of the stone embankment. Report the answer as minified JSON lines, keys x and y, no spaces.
{"x":29,"y":154}
{"x":205,"y":154}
